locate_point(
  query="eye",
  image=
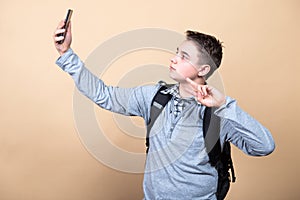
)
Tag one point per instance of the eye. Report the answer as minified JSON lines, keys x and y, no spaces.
{"x":183,"y":56}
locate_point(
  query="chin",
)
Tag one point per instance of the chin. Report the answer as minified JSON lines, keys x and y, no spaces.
{"x":172,"y":77}
{"x":176,"y":78}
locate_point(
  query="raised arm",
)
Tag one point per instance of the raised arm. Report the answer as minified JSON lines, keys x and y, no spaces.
{"x":126,"y":101}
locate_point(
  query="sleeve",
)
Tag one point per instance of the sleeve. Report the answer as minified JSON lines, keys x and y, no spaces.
{"x":244,"y":131}
{"x":126,"y":101}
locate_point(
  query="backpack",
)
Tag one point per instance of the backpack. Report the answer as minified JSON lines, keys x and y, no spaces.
{"x":218,"y":158}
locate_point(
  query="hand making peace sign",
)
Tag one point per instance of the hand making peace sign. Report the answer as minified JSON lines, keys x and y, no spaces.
{"x":207,"y":95}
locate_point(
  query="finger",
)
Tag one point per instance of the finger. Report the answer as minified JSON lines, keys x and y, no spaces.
{"x":69,"y":27}
{"x":209,"y":90}
{"x":200,"y":90}
{"x":193,"y":83}
{"x":204,"y":90}
{"x":58,"y":38}
{"x":59,"y":31}
{"x":200,"y":97}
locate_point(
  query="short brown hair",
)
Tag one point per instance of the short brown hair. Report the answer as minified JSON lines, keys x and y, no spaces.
{"x":208,"y":45}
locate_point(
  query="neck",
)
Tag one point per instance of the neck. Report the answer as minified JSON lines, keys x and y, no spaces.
{"x":185,"y":88}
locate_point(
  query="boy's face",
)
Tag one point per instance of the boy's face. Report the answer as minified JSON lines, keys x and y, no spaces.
{"x":184,"y":63}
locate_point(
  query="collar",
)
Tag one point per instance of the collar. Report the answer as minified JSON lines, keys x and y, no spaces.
{"x":173,"y":90}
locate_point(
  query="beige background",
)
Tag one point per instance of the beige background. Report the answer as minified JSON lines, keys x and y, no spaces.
{"x":41,"y":155}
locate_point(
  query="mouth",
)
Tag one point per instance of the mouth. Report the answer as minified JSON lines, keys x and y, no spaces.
{"x":171,"y":68}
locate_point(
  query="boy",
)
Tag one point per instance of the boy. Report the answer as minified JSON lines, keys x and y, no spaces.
{"x":177,"y":164}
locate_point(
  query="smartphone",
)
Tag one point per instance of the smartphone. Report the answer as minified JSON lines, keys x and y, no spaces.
{"x":67,"y":21}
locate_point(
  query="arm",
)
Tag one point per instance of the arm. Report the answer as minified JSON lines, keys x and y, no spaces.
{"x":124,"y":101}
{"x":244,"y":131}
{"x":237,"y":126}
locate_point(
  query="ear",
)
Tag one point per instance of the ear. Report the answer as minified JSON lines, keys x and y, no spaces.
{"x":203,"y":70}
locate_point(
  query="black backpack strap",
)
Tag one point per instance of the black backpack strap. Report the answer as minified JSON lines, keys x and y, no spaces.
{"x":211,"y":133}
{"x":227,"y":152}
{"x":218,"y":157}
{"x":158,"y":103}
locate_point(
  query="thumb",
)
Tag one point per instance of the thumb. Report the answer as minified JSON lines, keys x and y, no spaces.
{"x":68,"y":28}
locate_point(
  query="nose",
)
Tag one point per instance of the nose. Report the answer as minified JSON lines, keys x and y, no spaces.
{"x":174,"y":59}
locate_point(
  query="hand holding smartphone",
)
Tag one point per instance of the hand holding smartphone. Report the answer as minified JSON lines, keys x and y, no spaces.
{"x":67,"y":21}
